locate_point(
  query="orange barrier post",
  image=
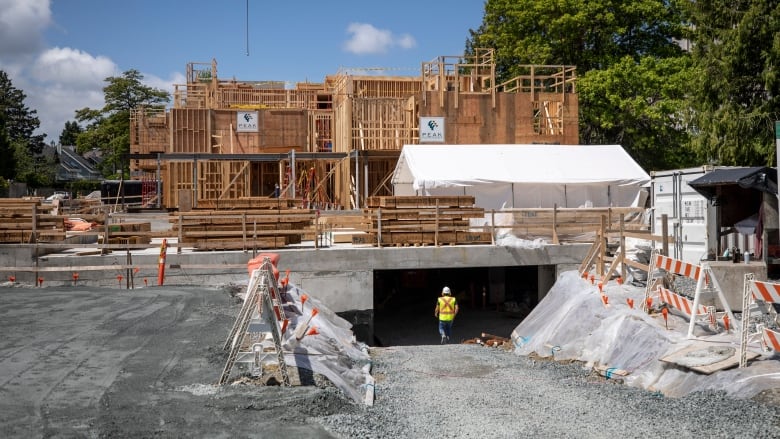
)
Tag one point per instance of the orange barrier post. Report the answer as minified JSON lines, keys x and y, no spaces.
{"x":161,"y":267}
{"x":601,"y":287}
{"x":605,"y":299}
{"x":40,"y":281}
{"x":665,"y":312}
{"x":630,"y":302}
{"x":75,"y":278}
{"x":726,"y":322}
{"x":649,"y":303}
{"x":119,"y":280}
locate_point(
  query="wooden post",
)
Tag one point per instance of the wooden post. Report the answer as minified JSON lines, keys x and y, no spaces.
{"x":603,"y":249}
{"x":436,"y":226}
{"x":317,"y":244}
{"x":106,"y":237}
{"x":243,"y":229}
{"x":379,"y":227}
{"x":622,"y":246}
{"x":555,"y":224}
{"x":665,"y":234}
{"x":181,"y":233}
{"x":493,"y":226}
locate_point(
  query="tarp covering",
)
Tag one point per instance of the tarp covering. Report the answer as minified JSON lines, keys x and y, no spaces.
{"x":522,"y":176}
{"x":572,"y":323}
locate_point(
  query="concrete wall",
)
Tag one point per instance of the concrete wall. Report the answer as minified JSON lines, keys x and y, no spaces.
{"x":342,"y":278}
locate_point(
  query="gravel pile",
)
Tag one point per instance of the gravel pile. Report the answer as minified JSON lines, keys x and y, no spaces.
{"x":478,"y":392}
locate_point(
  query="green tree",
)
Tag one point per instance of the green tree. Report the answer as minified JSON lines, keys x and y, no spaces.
{"x":642,"y":106}
{"x":17,"y":124}
{"x":736,"y":50}
{"x":108,"y":129}
{"x":8,"y":164}
{"x":633,"y":76}
{"x":70,"y":133}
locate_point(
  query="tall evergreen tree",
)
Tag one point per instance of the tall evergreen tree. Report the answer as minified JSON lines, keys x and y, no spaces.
{"x":736,"y":51}
{"x":70,"y":133}
{"x":18,"y":124}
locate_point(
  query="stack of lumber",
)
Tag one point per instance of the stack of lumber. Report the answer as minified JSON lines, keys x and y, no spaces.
{"x":243,"y":229}
{"x":22,"y":221}
{"x":422,"y":220}
{"x":130,"y":233}
{"x":249,"y":203}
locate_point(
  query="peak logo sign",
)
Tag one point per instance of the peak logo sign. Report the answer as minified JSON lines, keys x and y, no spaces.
{"x":246,"y":122}
{"x":432,"y":129}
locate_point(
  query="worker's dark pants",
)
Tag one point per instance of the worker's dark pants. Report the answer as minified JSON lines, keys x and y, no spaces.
{"x":445,"y":328}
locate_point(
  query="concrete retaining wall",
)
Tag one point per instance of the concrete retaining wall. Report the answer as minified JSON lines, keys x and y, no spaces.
{"x":342,"y":278}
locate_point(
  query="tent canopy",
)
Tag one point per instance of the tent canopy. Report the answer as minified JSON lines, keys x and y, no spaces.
{"x":522,"y":176}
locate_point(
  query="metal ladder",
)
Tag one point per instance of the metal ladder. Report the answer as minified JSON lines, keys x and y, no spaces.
{"x":263,"y":297}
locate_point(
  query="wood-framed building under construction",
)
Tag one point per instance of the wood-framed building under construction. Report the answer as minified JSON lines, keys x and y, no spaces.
{"x":334,"y":144}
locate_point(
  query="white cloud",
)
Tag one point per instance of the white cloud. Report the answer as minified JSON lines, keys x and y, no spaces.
{"x":365,"y":39}
{"x":72,"y":67}
{"x":57,"y":81}
{"x":21,"y":24}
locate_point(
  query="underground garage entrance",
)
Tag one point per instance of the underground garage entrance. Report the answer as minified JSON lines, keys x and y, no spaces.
{"x":493,"y":300}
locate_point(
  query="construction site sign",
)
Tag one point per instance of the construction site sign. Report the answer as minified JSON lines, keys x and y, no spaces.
{"x":246,"y":121}
{"x":432,"y":129}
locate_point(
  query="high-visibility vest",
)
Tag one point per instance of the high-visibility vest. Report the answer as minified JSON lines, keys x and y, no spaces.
{"x":446,"y":308}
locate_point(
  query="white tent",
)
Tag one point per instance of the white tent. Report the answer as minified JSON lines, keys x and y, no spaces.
{"x":523,"y":176}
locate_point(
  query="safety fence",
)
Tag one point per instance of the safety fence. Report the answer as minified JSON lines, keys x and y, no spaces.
{"x":760,"y":302}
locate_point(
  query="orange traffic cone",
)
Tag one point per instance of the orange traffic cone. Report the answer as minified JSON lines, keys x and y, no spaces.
{"x":630,"y":302}
{"x":726,"y":322}
{"x":605,"y":299}
{"x":665,"y":312}
{"x":75,"y":278}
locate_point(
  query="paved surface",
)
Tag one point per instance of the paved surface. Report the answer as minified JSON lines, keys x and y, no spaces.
{"x":88,"y":362}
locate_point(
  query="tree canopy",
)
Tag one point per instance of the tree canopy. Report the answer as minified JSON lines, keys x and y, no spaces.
{"x":20,"y":148}
{"x":108,"y":129}
{"x":638,"y":87}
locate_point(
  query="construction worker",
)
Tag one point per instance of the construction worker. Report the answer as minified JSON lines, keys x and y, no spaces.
{"x":446,"y":310}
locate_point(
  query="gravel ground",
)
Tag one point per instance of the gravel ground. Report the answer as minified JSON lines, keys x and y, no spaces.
{"x":475,"y":392}
{"x":86,"y":362}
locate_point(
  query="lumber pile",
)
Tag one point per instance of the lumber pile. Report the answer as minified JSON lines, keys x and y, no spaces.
{"x":422,"y":220}
{"x":243,"y":229}
{"x":22,"y":221}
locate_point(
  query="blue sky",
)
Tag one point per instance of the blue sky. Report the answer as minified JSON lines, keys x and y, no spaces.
{"x":58,"y":52}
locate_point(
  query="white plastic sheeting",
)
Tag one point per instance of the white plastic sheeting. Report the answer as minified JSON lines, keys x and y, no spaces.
{"x":522,"y":176}
{"x":572,"y":323}
{"x":334,"y":352}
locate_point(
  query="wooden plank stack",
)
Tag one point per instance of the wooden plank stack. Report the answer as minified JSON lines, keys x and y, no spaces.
{"x":244,"y":229}
{"x":422,"y":220}
{"x":21,"y":218}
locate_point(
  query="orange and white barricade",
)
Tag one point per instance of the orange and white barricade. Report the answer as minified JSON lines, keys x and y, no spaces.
{"x":761,"y":296}
{"x":704,"y":278}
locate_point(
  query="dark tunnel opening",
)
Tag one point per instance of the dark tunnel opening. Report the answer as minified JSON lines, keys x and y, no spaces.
{"x":404,"y":302}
